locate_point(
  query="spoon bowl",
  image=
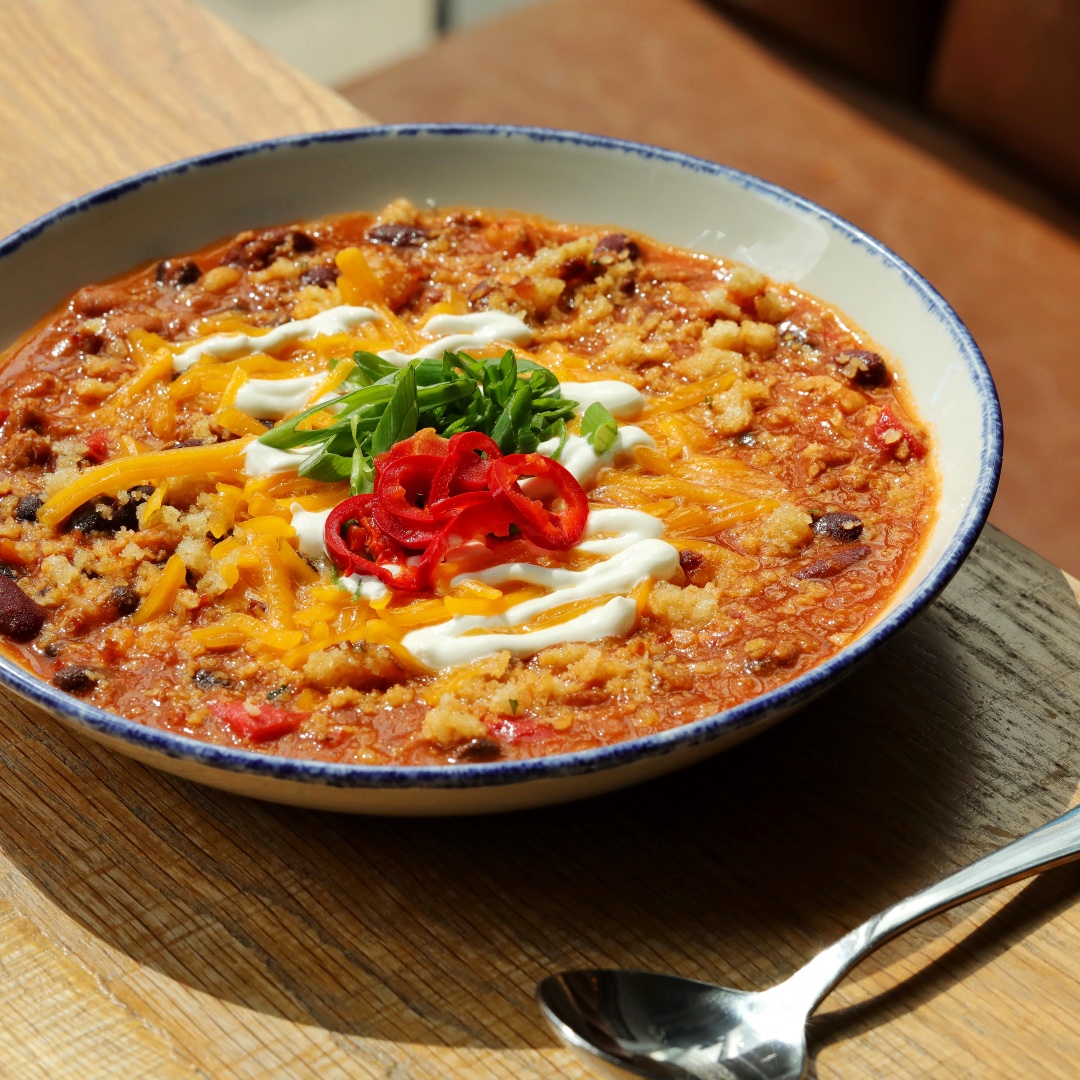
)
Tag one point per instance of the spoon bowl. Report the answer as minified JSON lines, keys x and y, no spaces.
{"x":666,"y":1028}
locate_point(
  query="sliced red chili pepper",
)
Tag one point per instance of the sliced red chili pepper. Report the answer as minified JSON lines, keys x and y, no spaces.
{"x":432,"y":493}
{"x":402,"y":507}
{"x":483,"y":519}
{"x":554,"y":530}
{"x":463,"y":469}
{"x":268,"y":723}
{"x":339,"y":544}
{"x":351,"y":535}
{"x":425,"y":441}
{"x":886,"y":425}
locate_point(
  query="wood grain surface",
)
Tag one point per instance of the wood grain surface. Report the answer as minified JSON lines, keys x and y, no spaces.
{"x":94,"y":90}
{"x":149,"y":927}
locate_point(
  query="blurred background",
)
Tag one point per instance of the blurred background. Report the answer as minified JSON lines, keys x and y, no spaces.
{"x":950,"y":129}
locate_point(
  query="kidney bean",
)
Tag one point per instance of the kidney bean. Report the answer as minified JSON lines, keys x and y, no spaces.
{"x":95,"y":300}
{"x":834,"y":563}
{"x":576,"y":272}
{"x":324,"y":276}
{"x":477,"y":750}
{"x":20,"y":618}
{"x":863,"y":368}
{"x":74,"y":679}
{"x":258,"y":250}
{"x":838,"y":526}
{"x":125,"y":599}
{"x":690,"y":561}
{"x":397,"y":235}
{"x":177,"y":273}
{"x":615,"y":247}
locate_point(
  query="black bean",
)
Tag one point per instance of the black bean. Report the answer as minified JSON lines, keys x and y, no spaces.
{"x":324,"y":276}
{"x":109,"y":515}
{"x":20,"y":618}
{"x":54,"y":648}
{"x":209,"y":679}
{"x":91,"y":518}
{"x":475,"y":750}
{"x":838,"y":526}
{"x":9,"y":571}
{"x":397,"y":235}
{"x":74,"y":679}
{"x":863,"y":368}
{"x":834,"y":563}
{"x":125,"y":598}
{"x":28,"y":507}
{"x":177,"y":273}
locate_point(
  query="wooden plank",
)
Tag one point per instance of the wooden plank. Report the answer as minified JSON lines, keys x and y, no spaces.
{"x":94,"y":90}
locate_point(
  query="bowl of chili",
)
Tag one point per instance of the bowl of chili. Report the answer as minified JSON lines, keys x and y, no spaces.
{"x":429,"y":490}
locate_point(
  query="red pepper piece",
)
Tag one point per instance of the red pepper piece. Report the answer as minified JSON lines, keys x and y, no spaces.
{"x":549,"y":529}
{"x":97,"y":445}
{"x":886,"y":425}
{"x":269,"y":723}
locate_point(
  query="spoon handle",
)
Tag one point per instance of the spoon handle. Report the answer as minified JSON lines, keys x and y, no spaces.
{"x":1050,"y":845}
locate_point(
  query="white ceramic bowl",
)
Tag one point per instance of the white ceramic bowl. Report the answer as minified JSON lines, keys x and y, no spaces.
{"x":573,"y":177}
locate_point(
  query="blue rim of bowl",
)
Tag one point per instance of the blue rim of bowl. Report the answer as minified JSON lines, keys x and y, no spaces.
{"x":784,"y":699}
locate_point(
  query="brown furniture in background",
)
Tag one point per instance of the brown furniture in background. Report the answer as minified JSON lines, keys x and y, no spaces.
{"x":886,"y":45}
{"x":675,"y":73}
{"x":1010,"y":70}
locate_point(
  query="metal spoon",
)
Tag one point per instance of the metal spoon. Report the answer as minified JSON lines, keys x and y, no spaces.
{"x":666,"y":1028}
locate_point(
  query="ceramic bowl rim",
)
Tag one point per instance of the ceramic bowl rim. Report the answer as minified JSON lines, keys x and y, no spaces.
{"x":783,"y":699}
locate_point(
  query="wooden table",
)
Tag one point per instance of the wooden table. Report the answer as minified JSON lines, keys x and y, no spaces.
{"x":149,"y":927}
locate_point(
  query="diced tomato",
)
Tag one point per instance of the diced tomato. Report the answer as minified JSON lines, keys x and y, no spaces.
{"x":97,"y":445}
{"x":268,"y":723}
{"x":514,"y":729}
{"x":889,"y":433}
